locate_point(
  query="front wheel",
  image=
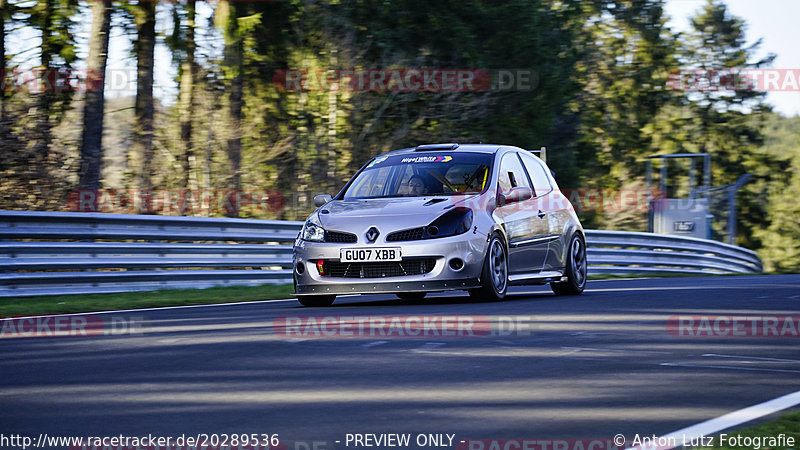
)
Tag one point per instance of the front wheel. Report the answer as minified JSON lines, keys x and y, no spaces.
{"x":576,"y":269}
{"x":316,"y":300}
{"x":494,"y":277}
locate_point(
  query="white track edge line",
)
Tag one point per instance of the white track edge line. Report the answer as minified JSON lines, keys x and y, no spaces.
{"x":723,"y":422}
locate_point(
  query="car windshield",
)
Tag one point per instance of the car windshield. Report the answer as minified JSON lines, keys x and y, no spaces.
{"x":422,"y":175}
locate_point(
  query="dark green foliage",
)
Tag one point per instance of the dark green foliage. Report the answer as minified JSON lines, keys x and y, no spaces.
{"x":598,"y":98}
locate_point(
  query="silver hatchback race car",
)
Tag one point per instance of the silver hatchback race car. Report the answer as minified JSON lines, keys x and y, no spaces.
{"x":442,"y":217}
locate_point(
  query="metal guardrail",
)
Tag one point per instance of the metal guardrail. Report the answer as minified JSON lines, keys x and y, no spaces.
{"x":47,"y":253}
{"x":627,"y":252}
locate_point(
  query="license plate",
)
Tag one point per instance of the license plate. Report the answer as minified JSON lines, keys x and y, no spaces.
{"x":369,"y":254}
{"x":683,"y":226}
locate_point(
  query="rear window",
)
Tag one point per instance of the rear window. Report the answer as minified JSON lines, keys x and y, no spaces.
{"x":422,"y":174}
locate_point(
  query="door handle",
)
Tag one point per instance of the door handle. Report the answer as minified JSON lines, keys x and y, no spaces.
{"x":541,"y":214}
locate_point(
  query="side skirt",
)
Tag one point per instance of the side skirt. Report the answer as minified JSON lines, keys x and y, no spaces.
{"x":543,"y":277}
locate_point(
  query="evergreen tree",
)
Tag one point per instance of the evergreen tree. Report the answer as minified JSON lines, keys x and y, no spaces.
{"x":623,"y":73}
{"x":728,"y":123}
{"x":781,"y":236}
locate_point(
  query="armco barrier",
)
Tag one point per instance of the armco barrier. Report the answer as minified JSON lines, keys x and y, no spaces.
{"x":621,"y":252}
{"x":46,"y":253}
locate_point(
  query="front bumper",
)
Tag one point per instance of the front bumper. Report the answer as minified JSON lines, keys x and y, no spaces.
{"x":469,"y":248}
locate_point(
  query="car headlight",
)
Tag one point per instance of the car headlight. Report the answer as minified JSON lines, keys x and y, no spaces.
{"x":312,"y":229}
{"x":451,"y":223}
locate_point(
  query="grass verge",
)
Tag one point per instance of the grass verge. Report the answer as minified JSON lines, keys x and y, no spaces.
{"x":61,"y":304}
{"x":788,"y":424}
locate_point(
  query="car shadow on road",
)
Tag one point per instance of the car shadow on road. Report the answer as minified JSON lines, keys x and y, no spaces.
{"x":452,"y":299}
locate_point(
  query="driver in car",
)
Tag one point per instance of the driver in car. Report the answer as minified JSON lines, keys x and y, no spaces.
{"x":416,"y":186}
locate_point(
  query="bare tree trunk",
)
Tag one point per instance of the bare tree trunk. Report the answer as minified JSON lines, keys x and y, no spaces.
{"x":143,"y":109}
{"x":94,"y":106}
{"x":187,"y":93}
{"x":332,"y":143}
{"x":46,"y":97}
{"x":235,"y":64}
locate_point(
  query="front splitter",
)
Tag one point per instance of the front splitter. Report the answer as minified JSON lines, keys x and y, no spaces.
{"x":385,"y":287}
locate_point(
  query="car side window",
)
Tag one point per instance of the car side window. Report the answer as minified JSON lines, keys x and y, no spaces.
{"x":511,"y":173}
{"x":541,"y":184}
{"x":373,"y":184}
{"x":404,"y":177}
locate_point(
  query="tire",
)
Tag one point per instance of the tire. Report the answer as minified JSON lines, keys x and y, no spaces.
{"x":316,"y":300}
{"x":411,"y":295}
{"x":494,"y":276}
{"x":576,"y":268}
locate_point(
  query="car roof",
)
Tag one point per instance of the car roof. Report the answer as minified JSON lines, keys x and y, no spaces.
{"x":476,"y":148}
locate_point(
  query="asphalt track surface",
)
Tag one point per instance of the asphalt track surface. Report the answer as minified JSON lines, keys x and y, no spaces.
{"x":588,"y":366}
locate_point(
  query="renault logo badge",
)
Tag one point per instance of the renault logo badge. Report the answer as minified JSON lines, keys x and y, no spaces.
{"x":372,"y":234}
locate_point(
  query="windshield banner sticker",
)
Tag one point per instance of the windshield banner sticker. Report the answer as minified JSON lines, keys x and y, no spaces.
{"x":377,"y":161}
{"x":427,"y":159}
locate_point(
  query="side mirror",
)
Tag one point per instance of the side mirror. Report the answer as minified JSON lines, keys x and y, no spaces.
{"x":322,"y":199}
{"x":517,"y":194}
